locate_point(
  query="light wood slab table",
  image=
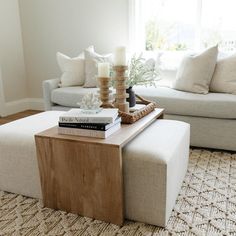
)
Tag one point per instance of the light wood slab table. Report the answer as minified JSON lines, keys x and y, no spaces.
{"x":84,"y":175}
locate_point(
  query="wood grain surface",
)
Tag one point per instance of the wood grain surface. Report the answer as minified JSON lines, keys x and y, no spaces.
{"x":19,"y":115}
{"x":84,"y":175}
{"x":81,"y":178}
{"x":119,"y":138}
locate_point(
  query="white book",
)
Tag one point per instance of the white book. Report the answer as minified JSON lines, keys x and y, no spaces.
{"x":88,"y":132}
{"x":77,"y":116}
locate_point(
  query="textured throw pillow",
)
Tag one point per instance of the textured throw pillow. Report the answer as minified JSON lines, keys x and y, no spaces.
{"x":72,"y":70}
{"x":195,"y":72}
{"x":91,"y":70}
{"x":224,"y":77}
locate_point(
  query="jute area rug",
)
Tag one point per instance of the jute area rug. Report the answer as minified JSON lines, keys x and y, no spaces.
{"x":206,"y":206}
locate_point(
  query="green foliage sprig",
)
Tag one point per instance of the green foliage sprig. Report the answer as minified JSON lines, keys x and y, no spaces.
{"x":142,"y":72}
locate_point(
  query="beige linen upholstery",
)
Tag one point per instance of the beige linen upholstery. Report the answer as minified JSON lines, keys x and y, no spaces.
{"x":195,"y":72}
{"x":48,"y":87}
{"x":211,"y":105}
{"x":174,"y":101}
{"x":91,"y":70}
{"x":155,"y":164}
{"x":18,"y":163}
{"x":167,"y":64}
{"x":224,"y":77}
{"x":221,"y":131}
{"x":72,"y":70}
{"x":70,"y":96}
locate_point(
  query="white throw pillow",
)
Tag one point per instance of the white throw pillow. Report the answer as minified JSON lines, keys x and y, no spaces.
{"x":91,"y":70}
{"x":195,"y":72}
{"x":167,"y":64}
{"x":224,"y":77}
{"x":167,"y":78}
{"x":90,"y":48}
{"x":72,"y":70}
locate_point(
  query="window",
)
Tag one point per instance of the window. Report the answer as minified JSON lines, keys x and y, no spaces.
{"x":184,"y":24}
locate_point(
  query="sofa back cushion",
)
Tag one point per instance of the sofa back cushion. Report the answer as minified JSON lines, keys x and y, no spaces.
{"x":195,"y":72}
{"x":167,"y":65}
{"x":91,"y":70}
{"x":72,"y":70}
{"x":224,"y":77}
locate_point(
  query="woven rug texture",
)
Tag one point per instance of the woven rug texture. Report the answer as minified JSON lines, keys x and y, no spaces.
{"x":206,"y":205}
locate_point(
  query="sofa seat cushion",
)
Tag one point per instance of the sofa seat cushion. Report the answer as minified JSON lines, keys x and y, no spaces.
{"x":212,"y":105}
{"x":70,"y":96}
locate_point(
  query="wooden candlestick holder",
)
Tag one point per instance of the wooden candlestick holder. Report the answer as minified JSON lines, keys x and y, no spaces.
{"x":104,"y":91}
{"x":120,"y":85}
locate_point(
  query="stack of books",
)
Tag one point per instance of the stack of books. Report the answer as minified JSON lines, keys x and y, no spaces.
{"x":99,"y":125}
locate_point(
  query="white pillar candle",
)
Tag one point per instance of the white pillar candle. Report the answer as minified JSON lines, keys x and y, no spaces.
{"x":104,"y":69}
{"x":120,"y":56}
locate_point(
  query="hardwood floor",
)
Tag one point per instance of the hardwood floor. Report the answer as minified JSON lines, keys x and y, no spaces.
{"x":7,"y":119}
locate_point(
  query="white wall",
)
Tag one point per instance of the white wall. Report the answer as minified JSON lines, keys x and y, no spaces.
{"x":2,"y":96}
{"x":68,"y":26}
{"x":11,"y":52}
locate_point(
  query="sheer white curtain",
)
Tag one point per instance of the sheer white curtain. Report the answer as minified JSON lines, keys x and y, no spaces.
{"x":136,"y":26}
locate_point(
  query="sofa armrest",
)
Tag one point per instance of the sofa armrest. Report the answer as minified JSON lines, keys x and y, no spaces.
{"x":48,"y":86}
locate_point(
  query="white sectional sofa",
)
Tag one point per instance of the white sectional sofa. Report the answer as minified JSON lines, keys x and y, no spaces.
{"x":212,"y":116}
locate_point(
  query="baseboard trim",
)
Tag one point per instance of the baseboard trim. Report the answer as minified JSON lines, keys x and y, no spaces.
{"x":16,"y":106}
{"x":22,"y":105}
{"x":36,"y":104}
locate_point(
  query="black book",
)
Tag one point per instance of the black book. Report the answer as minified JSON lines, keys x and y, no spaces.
{"x":92,"y":126}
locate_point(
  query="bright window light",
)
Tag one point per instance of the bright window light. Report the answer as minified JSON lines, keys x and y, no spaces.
{"x":186,"y":24}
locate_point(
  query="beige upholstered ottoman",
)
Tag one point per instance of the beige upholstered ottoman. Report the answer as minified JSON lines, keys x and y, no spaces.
{"x":18,"y":161}
{"x":155,"y":163}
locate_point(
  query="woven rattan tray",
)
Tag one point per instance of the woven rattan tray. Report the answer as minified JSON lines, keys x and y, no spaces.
{"x":130,"y":118}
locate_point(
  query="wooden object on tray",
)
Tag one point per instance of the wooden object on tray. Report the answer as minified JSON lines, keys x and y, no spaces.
{"x":120,"y":85}
{"x":84,"y":175}
{"x":104,"y":91}
{"x":130,"y":118}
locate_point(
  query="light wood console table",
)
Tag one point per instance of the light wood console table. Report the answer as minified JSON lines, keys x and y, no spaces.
{"x":84,"y":175}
